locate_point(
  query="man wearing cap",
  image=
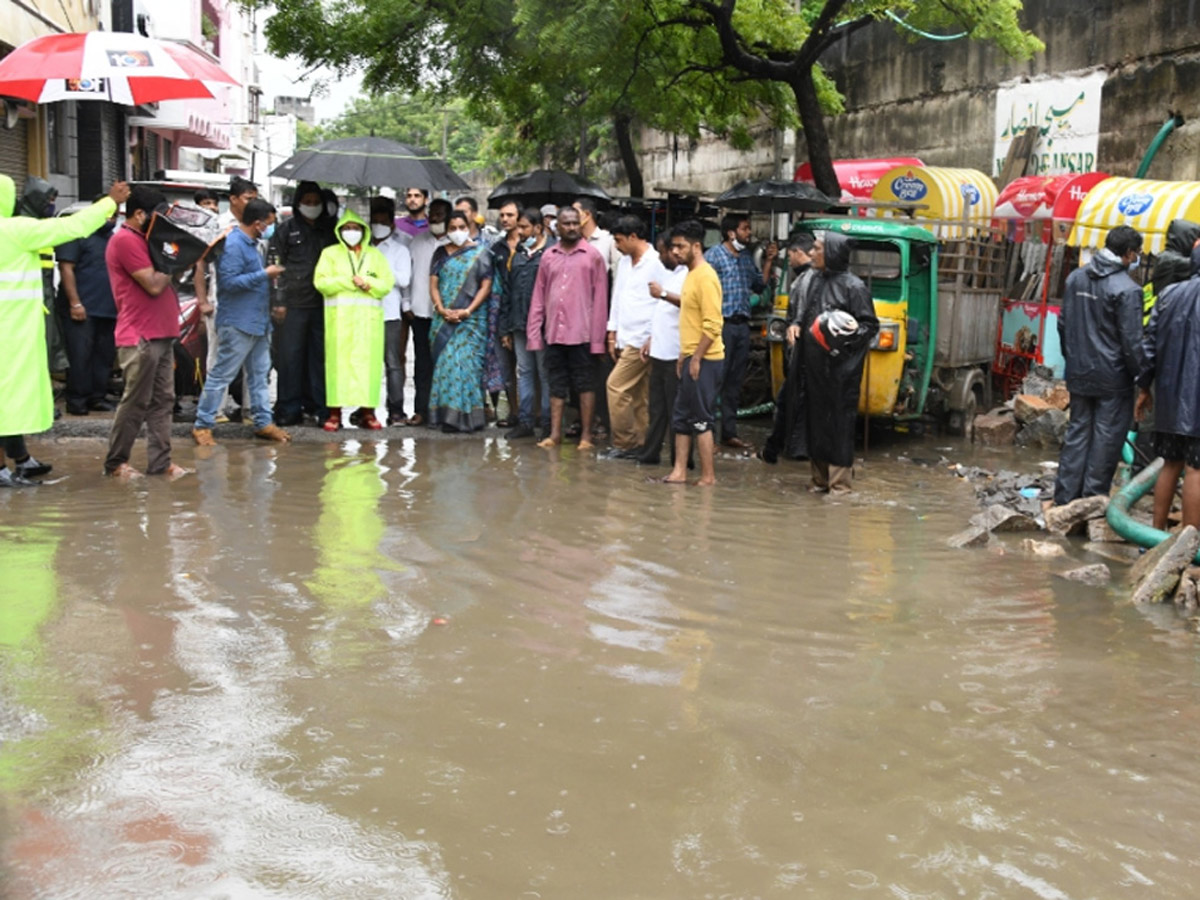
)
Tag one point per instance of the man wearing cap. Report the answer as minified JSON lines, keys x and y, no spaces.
{"x":550,"y":219}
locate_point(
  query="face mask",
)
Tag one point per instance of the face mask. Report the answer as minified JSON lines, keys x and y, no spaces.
{"x":738,"y":245}
{"x":269,"y":233}
{"x":310,"y":211}
{"x":530,"y":242}
{"x":352,"y":236}
{"x":459,"y":237}
{"x":554,"y":226}
{"x":331,"y":208}
{"x":379,"y":232}
{"x":437,"y":229}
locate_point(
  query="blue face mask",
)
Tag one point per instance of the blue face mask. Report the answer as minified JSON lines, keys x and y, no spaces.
{"x":530,"y":242}
{"x":269,"y":233}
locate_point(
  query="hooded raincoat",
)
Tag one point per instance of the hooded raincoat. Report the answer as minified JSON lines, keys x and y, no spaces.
{"x":26,"y":400}
{"x":832,"y":381}
{"x":1171,"y":357}
{"x":353,"y":318}
{"x":1100,"y":328}
{"x":1174,"y":264}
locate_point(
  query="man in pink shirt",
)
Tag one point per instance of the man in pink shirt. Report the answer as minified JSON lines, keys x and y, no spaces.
{"x":568,"y":316}
{"x":147,"y":327}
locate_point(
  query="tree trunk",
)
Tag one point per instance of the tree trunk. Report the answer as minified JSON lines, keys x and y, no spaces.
{"x":812,"y":120}
{"x":622,"y":124}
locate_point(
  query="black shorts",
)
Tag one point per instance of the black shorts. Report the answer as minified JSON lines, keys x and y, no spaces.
{"x":696,"y":400}
{"x":1178,"y":448}
{"x":569,"y":366}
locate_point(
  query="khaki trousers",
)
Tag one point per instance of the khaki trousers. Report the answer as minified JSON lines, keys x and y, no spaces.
{"x":835,"y":479}
{"x":149,"y":398}
{"x":629,"y":399}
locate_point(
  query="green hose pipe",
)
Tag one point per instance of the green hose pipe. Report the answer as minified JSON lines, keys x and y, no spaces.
{"x":1118,"y":515}
{"x":1168,"y":126}
{"x":761,"y":410}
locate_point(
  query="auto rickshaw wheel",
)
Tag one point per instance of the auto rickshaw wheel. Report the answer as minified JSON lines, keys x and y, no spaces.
{"x":961,"y":422}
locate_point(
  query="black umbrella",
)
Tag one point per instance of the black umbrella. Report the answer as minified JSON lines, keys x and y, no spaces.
{"x":769,"y":195}
{"x":370,"y":162}
{"x":545,"y":186}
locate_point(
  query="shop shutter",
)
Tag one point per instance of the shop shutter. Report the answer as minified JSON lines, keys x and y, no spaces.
{"x":14,"y":153}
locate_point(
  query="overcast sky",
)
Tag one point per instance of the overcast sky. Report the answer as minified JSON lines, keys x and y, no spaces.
{"x":278,"y":77}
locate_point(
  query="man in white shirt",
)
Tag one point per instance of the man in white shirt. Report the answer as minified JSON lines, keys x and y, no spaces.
{"x":662,"y":352}
{"x":395,"y":330}
{"x":417,"y":307}
{"x":629,"y":318}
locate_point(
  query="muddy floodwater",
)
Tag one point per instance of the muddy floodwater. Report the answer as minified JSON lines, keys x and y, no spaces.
{"x":463,"y":669}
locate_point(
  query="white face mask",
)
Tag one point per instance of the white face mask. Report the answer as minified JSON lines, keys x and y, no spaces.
{"x":459,"y":237}
{"x":332,"y":209}
{"x":379,"y":232}
{"x":738,"y":245}
{"x":437,"y":229}
{"x":310,"y":211}
{"x":554,"y":226}
{"x":352,"y":236}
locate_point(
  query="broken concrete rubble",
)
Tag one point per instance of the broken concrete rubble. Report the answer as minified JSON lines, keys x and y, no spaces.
{"x":1096,"y":575}
{"x":999,"y":518}
{"x":1163,"y":577}
{"x":1073,"y":516}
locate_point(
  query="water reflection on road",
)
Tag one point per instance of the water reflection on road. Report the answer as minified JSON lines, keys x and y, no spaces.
{"x":234,"y":686}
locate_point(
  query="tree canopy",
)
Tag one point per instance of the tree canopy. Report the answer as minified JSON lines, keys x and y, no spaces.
{"x":554,"y":81}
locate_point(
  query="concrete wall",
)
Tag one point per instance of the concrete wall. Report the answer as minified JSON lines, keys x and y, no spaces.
{"x":937,"y":101}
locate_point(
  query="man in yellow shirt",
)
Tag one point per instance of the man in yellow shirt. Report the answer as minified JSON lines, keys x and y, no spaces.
{"x":701,"y":355}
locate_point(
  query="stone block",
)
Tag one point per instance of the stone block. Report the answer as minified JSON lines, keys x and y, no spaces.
{"x":975,"y":536}
{"x":1096,"y":575}
{"x":1057,"y":397}
{"x":1186,"y":595}
{"x":1027,"y":407}
{"x":995,"y":429}
{"x":1043,"y":548}
{"x":1073,"y":516}
{"x":1100,"y":531}
{"x":1161,"y":581}
{"x":1048,"y":430}
{"x":1000,"y":518}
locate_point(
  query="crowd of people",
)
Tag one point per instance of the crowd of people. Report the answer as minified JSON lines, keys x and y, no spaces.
{"x":648,"y":342}
{"x":1132,"y":352}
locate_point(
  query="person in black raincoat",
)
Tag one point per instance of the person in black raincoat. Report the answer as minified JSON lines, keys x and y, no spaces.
{"x":1171,"y":364}
{"x":833,"y":364}
{"x":1174,"y":264}
{"x":787,"y":436}
{"x":1100,"y":330}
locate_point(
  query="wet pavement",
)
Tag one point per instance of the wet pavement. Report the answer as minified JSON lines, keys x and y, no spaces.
{"x":460,"y":668}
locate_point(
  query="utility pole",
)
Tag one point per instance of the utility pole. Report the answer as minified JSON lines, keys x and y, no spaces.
{"x":445,"y":132}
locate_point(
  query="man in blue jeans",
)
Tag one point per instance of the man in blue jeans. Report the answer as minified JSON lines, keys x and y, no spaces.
{"x":243,"y":325}
{"x":739,"y":279}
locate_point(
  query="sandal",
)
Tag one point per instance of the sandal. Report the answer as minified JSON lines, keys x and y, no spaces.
{"x":334,"y":422}
{"x":506,"y":422}
{"x":414,"y":420}
{"x":367,"y":420}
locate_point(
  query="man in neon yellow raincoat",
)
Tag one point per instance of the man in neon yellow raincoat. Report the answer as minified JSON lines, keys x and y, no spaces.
{"x":26,"y":399}
{"x":353,"y":277}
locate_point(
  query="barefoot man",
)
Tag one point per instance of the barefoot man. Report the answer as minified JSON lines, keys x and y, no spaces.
{"x":568,"y":316}
{"x":701,"y":355}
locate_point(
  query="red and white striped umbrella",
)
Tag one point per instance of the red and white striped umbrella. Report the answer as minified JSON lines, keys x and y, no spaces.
{"x":108,"y":65}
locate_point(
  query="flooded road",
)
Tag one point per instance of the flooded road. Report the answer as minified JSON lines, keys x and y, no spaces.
{"x":463,"y":669}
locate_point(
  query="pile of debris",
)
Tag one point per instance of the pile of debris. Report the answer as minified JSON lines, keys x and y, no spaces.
{"x":1036,"y":417}
{"x":1016,"y":503}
